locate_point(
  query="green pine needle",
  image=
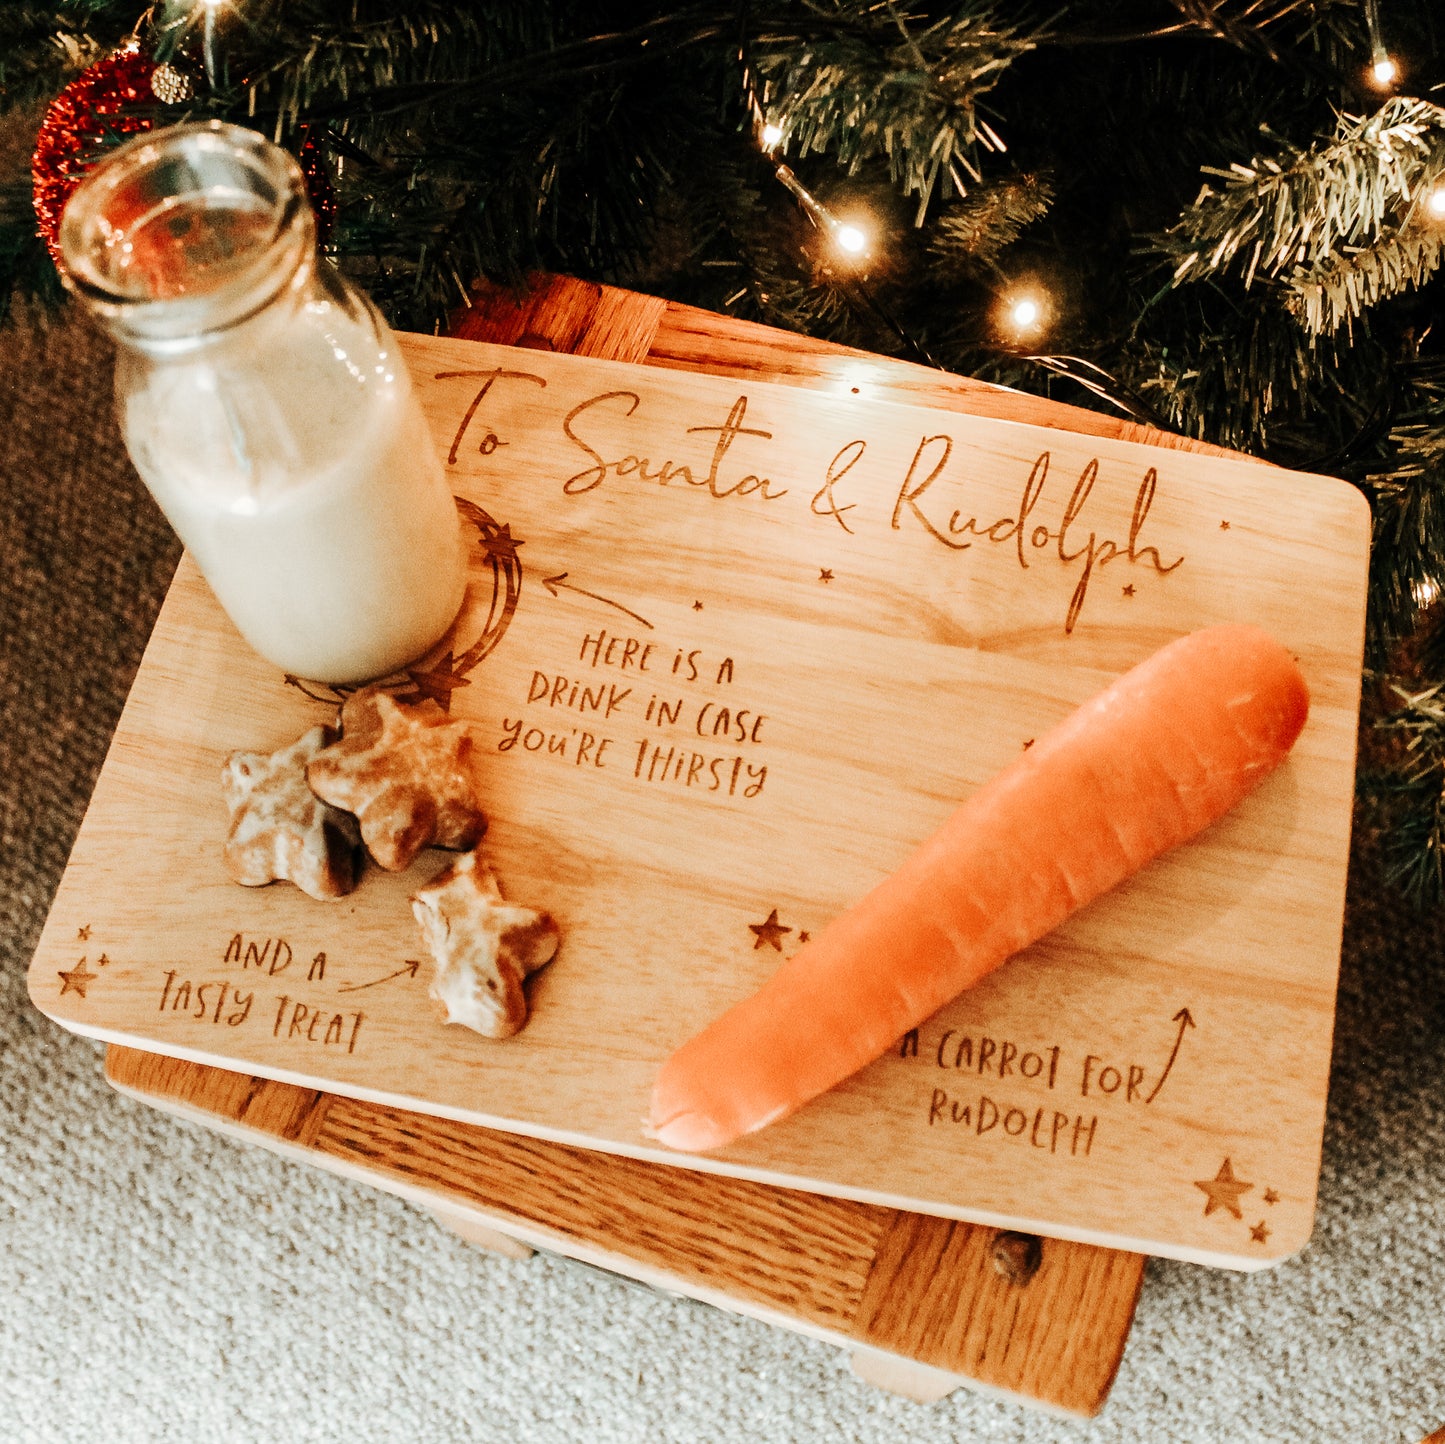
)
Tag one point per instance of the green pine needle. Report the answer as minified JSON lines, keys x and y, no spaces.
{"x":1339,"y":226}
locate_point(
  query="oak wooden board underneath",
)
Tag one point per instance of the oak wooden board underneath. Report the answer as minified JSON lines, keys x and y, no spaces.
{"x":1152,"y":1076}
{"x":922,"y":1290}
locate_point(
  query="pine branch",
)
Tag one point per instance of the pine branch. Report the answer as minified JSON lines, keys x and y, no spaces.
{"x":1247,"y":377}
{"x":1407,"y":494}
{"x":906,"y":91}
{"x":1328,"y":25}
{"x":1246,"y":31}
{"x":409,"y":67}
{"x":26,"y":271}
{"x":1333,"y":292}
{"x":968,"y":237}
{"x":42,"y":47}
{"x":1339,"y":227}
{"x":1409,"y":794}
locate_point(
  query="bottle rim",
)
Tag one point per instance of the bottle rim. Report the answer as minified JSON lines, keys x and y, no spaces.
{"x":142,"y":188}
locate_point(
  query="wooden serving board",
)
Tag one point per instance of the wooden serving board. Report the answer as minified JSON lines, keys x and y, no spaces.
{"x":732,"y":651}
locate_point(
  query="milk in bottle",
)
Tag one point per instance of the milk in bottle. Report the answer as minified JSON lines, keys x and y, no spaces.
{"x":265,"y":404}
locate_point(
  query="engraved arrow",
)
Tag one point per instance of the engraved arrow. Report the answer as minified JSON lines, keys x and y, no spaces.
{"x":1185,"y":1020}
{"x":410,"y":966}
{"x":560,"y":580}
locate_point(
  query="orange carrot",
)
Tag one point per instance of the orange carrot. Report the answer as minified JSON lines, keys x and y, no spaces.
{"x":1142,"y":767}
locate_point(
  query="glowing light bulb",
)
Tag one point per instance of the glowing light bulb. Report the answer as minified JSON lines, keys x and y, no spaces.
{"x":1023,"y":313}
{"x":772,"y":134}
{"x":851,"y":239}
{"x":1384,"y":70}
{"x":1435,"y":202}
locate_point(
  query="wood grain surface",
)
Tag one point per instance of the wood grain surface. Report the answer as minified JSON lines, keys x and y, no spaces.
{"x":922,"y":1290}
{"x":793,"y":695}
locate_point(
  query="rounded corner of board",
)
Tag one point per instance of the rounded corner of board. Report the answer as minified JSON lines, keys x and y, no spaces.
{"x":1291,"y":1246}
{"x":41,"y":996}
{"x":1280,"y":1248}
{"x":1353,"y":501}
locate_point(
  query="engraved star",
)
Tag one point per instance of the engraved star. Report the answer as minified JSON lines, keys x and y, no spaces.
{"x":1129,"y":590}
{"x":697,"y":606}
{"x":1259,"y":1232}
{"x":439,"y":682}
{"x":1223,"y":1191}
{"x":824,"y":575}
{"x":76,"y":980}
{"x":1270,"y":1196}
{"x":83,"y":934}
{"x":1224,"y":526}
{"x":503,"y":545}
{"x":804,"y":936}
{"x":102,"y":960}
{"x":770,"y":932}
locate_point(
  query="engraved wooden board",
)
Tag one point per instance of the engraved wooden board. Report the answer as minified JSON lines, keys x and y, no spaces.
{"x":1152,"y":1076}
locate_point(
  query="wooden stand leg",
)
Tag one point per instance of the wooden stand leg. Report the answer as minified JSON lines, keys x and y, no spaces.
{"x":920,"y":1382}
{"x":478,"y":1234}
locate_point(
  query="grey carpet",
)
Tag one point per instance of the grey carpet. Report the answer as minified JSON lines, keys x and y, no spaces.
{"x":160,"y":1283}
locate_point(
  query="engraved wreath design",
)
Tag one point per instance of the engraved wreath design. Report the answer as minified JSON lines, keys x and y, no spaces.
{"x":440,"y":677}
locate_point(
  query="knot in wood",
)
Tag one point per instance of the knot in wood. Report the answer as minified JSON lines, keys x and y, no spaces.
{"x":1017,"y":1256}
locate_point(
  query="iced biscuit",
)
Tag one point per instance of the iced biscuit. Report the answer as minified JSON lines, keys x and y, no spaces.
{"x":280,"y":829}
{"x":483,"y":947}
{"x":409,"y":774}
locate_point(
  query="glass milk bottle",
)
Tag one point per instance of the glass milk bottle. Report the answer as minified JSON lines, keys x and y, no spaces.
{"x":265,"y":404}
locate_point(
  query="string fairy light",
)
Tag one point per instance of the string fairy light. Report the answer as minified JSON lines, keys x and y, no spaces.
{"x":850,"y":243}
{"x":847,"y":237}
{"x":850,"y":239}
{"x":1435,"y":201}
{"x":1383,"y":68}
{"x":1024,"y":312}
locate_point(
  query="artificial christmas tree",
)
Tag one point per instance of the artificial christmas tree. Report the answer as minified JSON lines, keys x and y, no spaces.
{"x":1223,"y":218}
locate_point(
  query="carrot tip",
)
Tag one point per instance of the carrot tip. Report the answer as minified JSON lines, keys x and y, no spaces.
{"x":693,"y":1131}
{"x":688,"y":1132}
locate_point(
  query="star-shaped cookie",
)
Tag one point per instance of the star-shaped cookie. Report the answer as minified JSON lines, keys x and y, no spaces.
{"x":483,"y":947}
{"x":280,"y":829}
{"x":409,"y":774}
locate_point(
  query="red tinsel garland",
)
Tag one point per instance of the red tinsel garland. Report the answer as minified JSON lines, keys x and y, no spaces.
{"x":106,"y":103}
{"x":102,"y":104}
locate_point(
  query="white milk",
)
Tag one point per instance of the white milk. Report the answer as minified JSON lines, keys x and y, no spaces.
{"x":295,"y":464}
{"x":264,"y":403}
